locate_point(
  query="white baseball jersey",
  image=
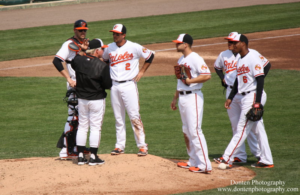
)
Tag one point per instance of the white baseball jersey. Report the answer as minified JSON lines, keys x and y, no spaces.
{"x":197,"y":66}
{"x":65,"y":54}
{"x":227,"y":61}
{"x":248,"y":68}
{"x":124,"y":61}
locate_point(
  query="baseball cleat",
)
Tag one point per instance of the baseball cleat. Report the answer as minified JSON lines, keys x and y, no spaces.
{"x":198,"y":170}
{"x":183,"y":165}
{"x":237,"y":160}
{"x":218,"y":160}
{"x":96,"y":161}
{"x":142,"y":152}
{"x":221,"y":160}
{"x":261,"y":165}
{"x":117,"y":151}
{"x":82,"y":161}
{"x":69,"y":156}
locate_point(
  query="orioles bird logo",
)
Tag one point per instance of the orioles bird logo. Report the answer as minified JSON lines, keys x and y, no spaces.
{"x":203,"y":67}
{"x":257,"y":67}
{"x":145,"y":50}
{"x":83,"y":24}
{"x":115,"y":26}
{"x":262,"y":57}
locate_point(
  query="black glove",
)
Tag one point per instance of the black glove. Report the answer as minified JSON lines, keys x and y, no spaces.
{"x":255,"y":113}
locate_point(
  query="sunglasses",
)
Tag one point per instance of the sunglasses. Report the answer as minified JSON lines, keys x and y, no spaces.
{"x":82,"y":30}
{"x":232,"y":42}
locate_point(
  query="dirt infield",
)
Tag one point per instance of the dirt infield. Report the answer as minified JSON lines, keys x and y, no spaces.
{"x":129,"y":174}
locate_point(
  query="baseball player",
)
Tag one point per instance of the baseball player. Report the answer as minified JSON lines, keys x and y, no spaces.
{"x":92,"y":79}
{"x":123,"y":57}
{"x":66,"y":54}
{"x":227,"y":61}
{"x":191,"y":105}
{"x":248,"y":92}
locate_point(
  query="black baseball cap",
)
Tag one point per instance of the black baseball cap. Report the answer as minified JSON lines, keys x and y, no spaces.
{"x":244,"y":39}
{"x":80,"y":25}
{"x":119,"y":28}
{"x":184,"y":38}
{"x":96,"y":43}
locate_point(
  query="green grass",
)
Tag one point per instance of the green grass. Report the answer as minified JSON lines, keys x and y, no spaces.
{"x":33,"y":115}
{"x":44,"y":41}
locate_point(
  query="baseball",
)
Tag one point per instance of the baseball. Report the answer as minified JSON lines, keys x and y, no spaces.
{"x":222,"y":166}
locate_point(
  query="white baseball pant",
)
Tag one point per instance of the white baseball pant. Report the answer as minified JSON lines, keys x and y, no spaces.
{"x":90,"y":117}
{"x":191,"y":112}
{"x":245,"y":126}
{"x":126,"y":96}
{"x":234,"y":115}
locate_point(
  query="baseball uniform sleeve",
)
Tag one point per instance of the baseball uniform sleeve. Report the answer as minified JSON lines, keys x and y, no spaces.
{"x":105,"y":54}
{"x":219,"y":62}
{"x":64,"y":51}
{"x":202,"y":68}
{"x":143,"y":52}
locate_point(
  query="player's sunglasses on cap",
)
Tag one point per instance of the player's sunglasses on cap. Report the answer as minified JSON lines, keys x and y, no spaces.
{"x":80,"y":25}
{"x":119,"y":29}
{"x":97,"y":43}
{"x":184,"y":38}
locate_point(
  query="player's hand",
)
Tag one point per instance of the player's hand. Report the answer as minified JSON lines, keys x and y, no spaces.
{"x":227,"y":104}
{"x":138,"y":77}
{"x":72,"y":83}
{"x":85,"y":44}
{"x":173,"y":104}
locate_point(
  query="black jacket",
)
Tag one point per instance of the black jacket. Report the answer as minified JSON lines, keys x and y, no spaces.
{"x":92,"y":77}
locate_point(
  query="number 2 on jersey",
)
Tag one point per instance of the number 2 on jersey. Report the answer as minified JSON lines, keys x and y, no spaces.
{"x":127,"y":66}
{"x":245,"y":79}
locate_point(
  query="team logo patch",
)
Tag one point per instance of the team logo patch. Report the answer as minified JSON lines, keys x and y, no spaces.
{"x":257,"y":67}
{"x":83,"y":24}
{"x":203,"y":67}
{"x":116,"y":26}
{"x":262,"y":57}
{"x":145,"y":50}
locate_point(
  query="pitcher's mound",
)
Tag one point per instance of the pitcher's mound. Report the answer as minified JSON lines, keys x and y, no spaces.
{"x":122,"y":174}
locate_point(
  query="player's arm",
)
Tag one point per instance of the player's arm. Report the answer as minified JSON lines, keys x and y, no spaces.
{"x":199,"y":79}
{"x":232,"y":94}
{"x":221,"y":75}
{"x":59,"y":66}
{"x":174,"y":101}
{"x":106,"y":81}
{"x":267,"y":68}
{"x":146,"y":65}
{"x":259,"y":88}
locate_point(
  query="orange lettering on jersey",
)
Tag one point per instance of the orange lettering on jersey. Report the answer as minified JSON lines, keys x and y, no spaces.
{"x":115,"y":59}
{"x":230,"y":66}
{"x":243,"y":70}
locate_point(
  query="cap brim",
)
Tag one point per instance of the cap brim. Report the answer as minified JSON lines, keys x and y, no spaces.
{"x":231,"y":39}
{"x":81,"y":28}
{"x":115,"y":31}
{"x":176,"y":41}
{"x":104,"y":46}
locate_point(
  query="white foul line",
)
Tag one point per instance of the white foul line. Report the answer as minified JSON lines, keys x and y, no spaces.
{"x":163,"y":50}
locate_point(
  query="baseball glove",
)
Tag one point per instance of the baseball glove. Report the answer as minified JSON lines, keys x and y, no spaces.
{"x":255,"y":113}
{"x":182,"y":73}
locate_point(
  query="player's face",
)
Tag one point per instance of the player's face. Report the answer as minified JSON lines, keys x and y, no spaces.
{"x":180,"y":47}
{"x":231,"y":45}
{"x":237,"y":47}
{"x":80,"y":33}
{"x":118,"y":37}
{"x":100,"y":52}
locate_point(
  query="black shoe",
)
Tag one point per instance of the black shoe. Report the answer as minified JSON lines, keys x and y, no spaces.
{"x":82,"y":161}
{"x":117,"y":151}
{"x":96,"y":161}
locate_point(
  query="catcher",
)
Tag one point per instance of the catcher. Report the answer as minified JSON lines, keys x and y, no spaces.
{"x":249,"y":94}
{"x":191,"y":73}
{"x":67,"y":140}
